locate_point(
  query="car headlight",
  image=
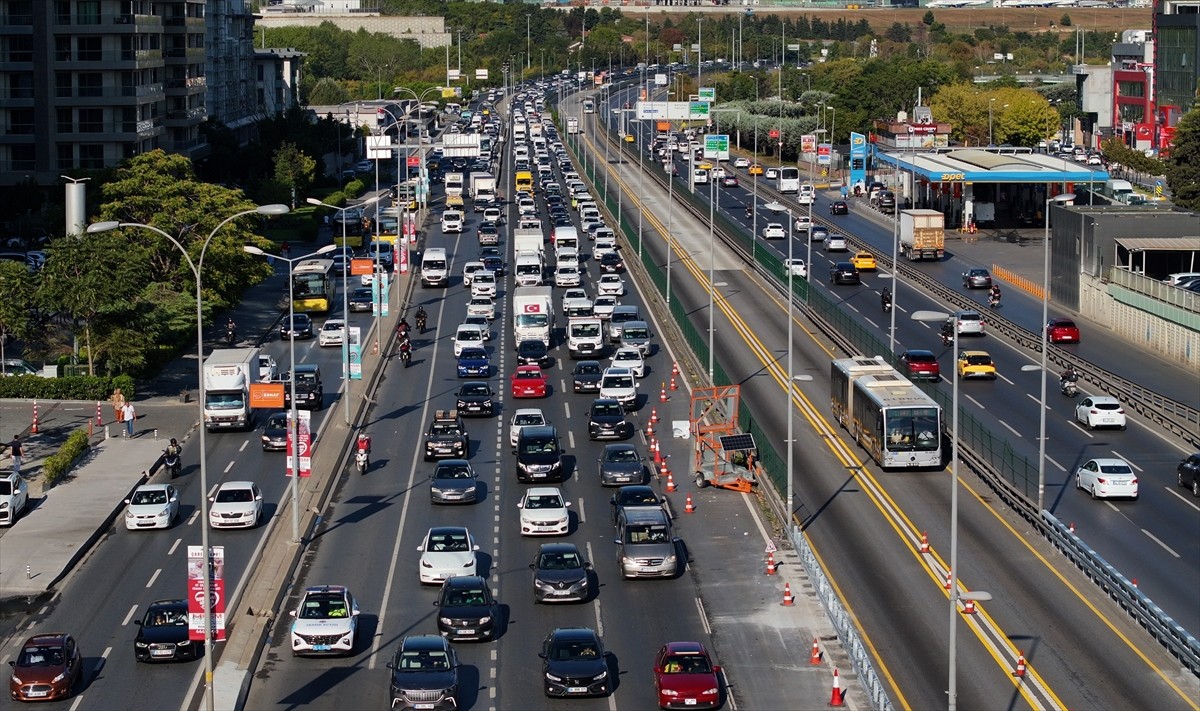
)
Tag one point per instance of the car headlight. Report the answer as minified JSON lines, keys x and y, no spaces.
{"x":484,"y":620}
{"x":128,"y":514}
{"x":445,"y":620}
{"x":669,"y":692}
{"x":711,"y":690}
{"x":669,"y":559}
{"x":601,"y":676}
{"x":551,"y":677}
{"x":183,"y":643}
{"x":58,"y":678}
{"x":469,"y":563}
{"x":166,"y":510}
{"x":140,"y":645}
{"x":16,"y":680}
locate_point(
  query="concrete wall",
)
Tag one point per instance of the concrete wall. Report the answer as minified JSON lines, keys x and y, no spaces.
{"x":425,"y":31}
{"x":1142,"y":327}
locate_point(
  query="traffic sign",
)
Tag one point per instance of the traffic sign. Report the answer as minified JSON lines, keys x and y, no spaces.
{"x":716,"y":145}
{"x":773,"y":133}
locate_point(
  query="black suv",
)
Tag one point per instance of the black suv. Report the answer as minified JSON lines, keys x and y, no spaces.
{"x":476,"y":398}
{"x":539,"y":455}
{"x":574,"y":663}
{"x":447,"y":437}
{"x":1189,"y":473}
{"x":310,"y":392}
{"x":163,"y":633}
{"x":424,"y":673}
{"x":606,"y":420}
{"x":468,"y":610}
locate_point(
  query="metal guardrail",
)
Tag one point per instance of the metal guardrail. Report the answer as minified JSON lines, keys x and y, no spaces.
{"x":1169,"y":413}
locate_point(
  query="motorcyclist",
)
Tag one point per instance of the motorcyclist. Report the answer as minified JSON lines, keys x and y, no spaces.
{"x":422,"y":318}
{"x":405,"y":346}
{"x":947,"y":332}
{"x":885,"y":298}
{"x":994,"y":295}
{"x":363,"y":444}
{"x":172,"y":451}
{"x":749,"y":212}
{"x":173,"y":448}
{"x":231,"y":330}
{"x":1070,"y":375}
{"x":402,"y":327}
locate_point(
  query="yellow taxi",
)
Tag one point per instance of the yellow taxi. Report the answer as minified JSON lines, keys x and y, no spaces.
{"x":863,"y":261}
{"x":756,"y":169}
{"x":704,"y":165}
{"x":976,"y":364}
{"x":629,"y":138}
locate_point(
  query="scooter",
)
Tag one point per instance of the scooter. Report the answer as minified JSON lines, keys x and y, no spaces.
{"x":887,"y":305}
{"x":947,"y":339}
{"x":1068,"y":387}
{"x":231,"y":336}
{"x":171,"y":462}
{"x":406,"y":356}
{"x":993,"y":302}
{"x":362,"y":461}
{"x":421,"y":324}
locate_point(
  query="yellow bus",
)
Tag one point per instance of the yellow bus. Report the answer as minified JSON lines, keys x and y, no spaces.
{"x":313,"y":286}
{"x":524,"y":181}
{"x":349,"y":224}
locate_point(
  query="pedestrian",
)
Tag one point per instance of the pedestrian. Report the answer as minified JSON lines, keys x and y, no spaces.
{"x":14,"y":448}
{"x":118,"y":401}
{"x":128,"y":415}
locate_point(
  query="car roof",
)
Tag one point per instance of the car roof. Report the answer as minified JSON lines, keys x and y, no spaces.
{"x":1105,"y":399}
{"x":574,"y":633}
{"x":538,"y":431}
{"x":444,"y":530}
{"x":237,"y":485}
{"x":684,"y":648}
{"x":966,"y":354}
{"x":543,"y":491}
{"x":529,"y":411}
{"x":423,"y":641}
{"x":1109,"y":461}
{"x":464,"y":581}
{"x":558,"y":547}
{"x":619,"y":447}
{"x":48,"y":638}
{"x":174,"y":603}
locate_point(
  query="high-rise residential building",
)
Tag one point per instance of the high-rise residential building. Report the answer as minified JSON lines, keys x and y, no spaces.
{"x":85,"y":84}
{"x":1176,"y":62}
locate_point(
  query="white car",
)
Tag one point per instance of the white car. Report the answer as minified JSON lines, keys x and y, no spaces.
{"x":469,"y":270}
{"x":482,"y":323}
{"x":332,"y":333}
{"x":771,"y":173}
{"x":630,"y":357}
{"x":526,"y":206}
{"x":570,"y":294}
{"x":484,"y":306}
{"x":493,"y":215}
{"x":325,"y":621}
{"x":620,"y":385}
{"x":741,"y":162}
{"x":522,"y":418}
{"x":483,"y":283}
{"x":603,"y":246}
{"x":603,"y":306}
{"x":446,"y":552}
{"x":1107,"y":478}
{"x":567,"y":275}
{"x":610,"y":285}
{"x":797,"y":267}
{"x":567,"y":256}
{"x":467,"y":336}
{"x":235,"y":504}
{"x":773,"y":230}
{"x":699,"y":177}
{"x":14,"y":497}
{"x":1100,"y":411}
{"x":369,"y":279}
{"x":544,"y":512}
{"x":803,"y":223}
{"x":152,"y":506}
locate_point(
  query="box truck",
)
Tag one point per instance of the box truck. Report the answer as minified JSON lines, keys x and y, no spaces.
{"x":922,"y":234}
{"x":228,"y":374}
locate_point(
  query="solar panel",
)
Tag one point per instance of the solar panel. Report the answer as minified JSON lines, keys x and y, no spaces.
{"x":743,"y":442}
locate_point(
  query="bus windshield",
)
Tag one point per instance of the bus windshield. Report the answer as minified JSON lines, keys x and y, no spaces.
{"x":912,"y":429}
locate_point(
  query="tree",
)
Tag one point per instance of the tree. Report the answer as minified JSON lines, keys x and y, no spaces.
{"x":1026,"y":119}
{"x":328,"y":92}
{"x":966,"y":109}
{"x":294,"y":169}
{"x":1183,"y":168}
{"x":898,"y":33}
{"x":1065,"y":21}
{"x":16,"y":296}
{"x":928,"y":19}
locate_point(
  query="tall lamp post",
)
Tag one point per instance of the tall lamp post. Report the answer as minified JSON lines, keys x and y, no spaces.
{"x":197,"y":267}
{"x":292,"y":426}
{"x":345,"y":289}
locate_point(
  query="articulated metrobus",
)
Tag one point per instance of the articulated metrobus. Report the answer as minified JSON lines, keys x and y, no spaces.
{"x":890,"y":417}
{"x":313,"y":286}
{"x":789,"y":180}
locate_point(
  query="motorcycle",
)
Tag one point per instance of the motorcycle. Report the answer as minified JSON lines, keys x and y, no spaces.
{"x":993,"y":301}
{"x":362,"y":461}
{"x":406,"y":356}
{"x":1067,"y":386}
{"x":231,"y":336}
{"x":886,"y":303}
{"x":749,"y":213}
{"x":171,"y":462}
{"x":947,"y":339}
{"x":421,"y":323}
{"x":402,"y":330}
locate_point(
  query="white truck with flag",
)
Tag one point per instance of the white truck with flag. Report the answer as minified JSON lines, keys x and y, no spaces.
{"x":533,"y":313}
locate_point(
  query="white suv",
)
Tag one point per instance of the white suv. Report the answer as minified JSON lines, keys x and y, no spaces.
{"x":620,"y":385}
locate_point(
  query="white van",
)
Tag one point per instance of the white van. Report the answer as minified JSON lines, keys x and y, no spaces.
{"x":699,"y":176}
{"x":435,"y":267}
{"x":452,"y":221}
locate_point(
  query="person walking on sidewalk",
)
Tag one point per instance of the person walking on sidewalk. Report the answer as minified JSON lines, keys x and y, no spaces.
{"x":118,"y":401}
{"x":14,"y":449}
{"x":128,"y":414}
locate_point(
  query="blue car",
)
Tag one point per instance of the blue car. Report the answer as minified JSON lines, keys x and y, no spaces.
{"x":474,"y":363}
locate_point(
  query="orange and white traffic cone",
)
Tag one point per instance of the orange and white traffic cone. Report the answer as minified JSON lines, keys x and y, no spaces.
{"x":34,"y":430}
{"x":662,"y":394}
{"x":836,"y":698}
{"x":674,"y":385}
{"x":675,"y":369}
{"x":947,"y":579}
{"x":788,"y":600}
{"x":1020,"y":672}
{"x":654,"y":415}
{"x":969,"y":607}
{"x":815,"y":657}
{"x":924,"y":542}
{"x":770,"y":563}
{"x":689,"y":507}
{"x":99,"y":417}
{"x":650,"y":428}
{"x":670,"y":480}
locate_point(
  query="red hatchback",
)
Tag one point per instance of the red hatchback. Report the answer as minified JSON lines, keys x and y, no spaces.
{"x":685,"y":677}
{"x":1062,"y":330}
{"x":921,"y":365}
{"x":528,"y":381}
{"x":48,"y":667}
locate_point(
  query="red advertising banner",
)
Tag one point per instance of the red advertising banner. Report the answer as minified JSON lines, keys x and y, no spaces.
{"x":305,"y":436}
{"x":413,"y":161}
{"x":402,"y":259}
{"x":196,"y":570}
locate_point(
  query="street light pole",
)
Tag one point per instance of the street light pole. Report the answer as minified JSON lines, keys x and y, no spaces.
{"x":712,"y":199}
{"x":197,"y":267}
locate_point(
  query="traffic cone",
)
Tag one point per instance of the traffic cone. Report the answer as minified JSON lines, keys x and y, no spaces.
{"x":788,"y":600}
{"x":1134,"y":581}
{"x":674,"y":369}
{"x":924,"y":542}
{"x":1020,"y":672}
{"x":674,"y":385}
{"x":35,"y":419}
{"x":770,"y":563}
{"x":969,"y":607}
{"x":815,"y":657}
{"x":670,"y":481}
{"x":654,"y":415}
{"x":836,"y":698}
{"x":688,"y":507}
{"x":99,"y":416}
{"x":1071,"y":528}
{"x":947,"y":579}
{"x":650,"y":428}
{"x":662,"y":394}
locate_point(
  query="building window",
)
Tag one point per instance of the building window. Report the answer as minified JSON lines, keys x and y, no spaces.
{"x":89,"y":49}
{"x":90,"y":83}
{"x":20,"y":85}
{"x":87,"y":12}
{"x":62,"y":85}
{"x":91,"y":156}
{"x":66,"y":156}
{"x":1131,"y":89}
{"x":66,"y":122}
{"x":20,"y":122}
{"x":91,"y":120}
{"x":62,"y":49}
{"x":20,"y":48}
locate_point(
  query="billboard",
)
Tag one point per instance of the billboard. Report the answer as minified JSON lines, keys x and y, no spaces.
{"x":660,"y":79}
{"x":303,"y":432}
{"x":354,"y":352}
{"x":197,"y":568}
{"x":671,"y":110}
{"x":824,"y":154}
{"x":716,"y":146}
{"x":808,"y":143}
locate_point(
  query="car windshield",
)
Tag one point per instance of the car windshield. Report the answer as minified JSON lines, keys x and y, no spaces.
{"x":921,"y":358}
{"x":621,"y":455}
{"x":1064,"y":324}
{"x":229,"y":496}
{"x":479,"y":389}
{"x":532,"y":348}
{"x":529,"y":375}
{"x":978,"y":360}
{"x":585,"y":330}
{"x":448,"y":542}
{"x":452,"y":472}
{"x":636,"y":333}
{"x":444,"y":428}
{"x":41,"y":656}
{"x":646,"y":534}
{"x":434,"y":660}
{"x":572,"y":650}
{"x":146,"y":498}
{"x":587,"y":369}
{"x":637,"y":497}
{"x":522,"y":420}
{"x":912,"y":429}
{"x":618,"y":381}
{"x":540,"y":446}
{"x":686,"y":664}
{"x":558,"y":561}
{"x":476,"y":353}
{"x":544,"y":501}
{"x":469,"y":334}
{"x":321,"y":606}
{"x":465,"y":597}
{"x":165,"y":618}
{"x":306,"y":377}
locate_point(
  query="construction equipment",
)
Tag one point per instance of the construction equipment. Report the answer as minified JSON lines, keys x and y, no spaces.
{"x":726,"y":458}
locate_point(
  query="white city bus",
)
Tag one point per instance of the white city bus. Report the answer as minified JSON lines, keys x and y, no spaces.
{"x":898,"y":424}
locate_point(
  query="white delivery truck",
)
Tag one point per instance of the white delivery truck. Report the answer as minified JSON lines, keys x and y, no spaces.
{"x":533,"y":313}
{"x":529,"y":269}
{"x":527,"y":240}
{"x":572,"y":126}
{"x":483,"y":191}
{"x":564,"y":233}
{"x":585,"y":337}
{"x":454,"y":184}
{"x":228,"y":374}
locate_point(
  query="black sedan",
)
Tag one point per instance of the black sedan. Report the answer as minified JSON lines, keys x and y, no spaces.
{"x":839,"y":207}
{"x":300,"y":326}
{"x":274,"y":436}
{"x":476,"y":398}
{"x":532,"y":351}
{"x":468,"y":610}
{"x":494,"y":264}
{"x":574,"y":663}
{"x":163,"y":633}
{"x":843,"y":273}
{"x":585,"y":378}
{"x":360,"y":300}
{"x":621,"y":464}
{"x":560,"y":574}
{"x":610,"y":263}
{"x":453,"y":482}
{"x":606,"y":420}
{"x":633,"y":496}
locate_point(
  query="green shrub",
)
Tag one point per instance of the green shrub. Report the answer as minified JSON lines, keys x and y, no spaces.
{"x":70,"y":387}
{"x":58,"y":464}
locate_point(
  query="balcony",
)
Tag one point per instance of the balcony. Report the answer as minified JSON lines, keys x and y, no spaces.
{"x":185,"y":117}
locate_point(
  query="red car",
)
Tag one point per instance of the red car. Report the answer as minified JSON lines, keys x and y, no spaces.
{"x":921,"y":365}
{"x":1062,"y":330}
{"x":528,"y":381}
{"x":48,"y":667}
{"x":685,"y":677}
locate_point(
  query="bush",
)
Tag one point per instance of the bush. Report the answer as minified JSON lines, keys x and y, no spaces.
{"x":71,"y":387}
{"x":58,"y":464}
